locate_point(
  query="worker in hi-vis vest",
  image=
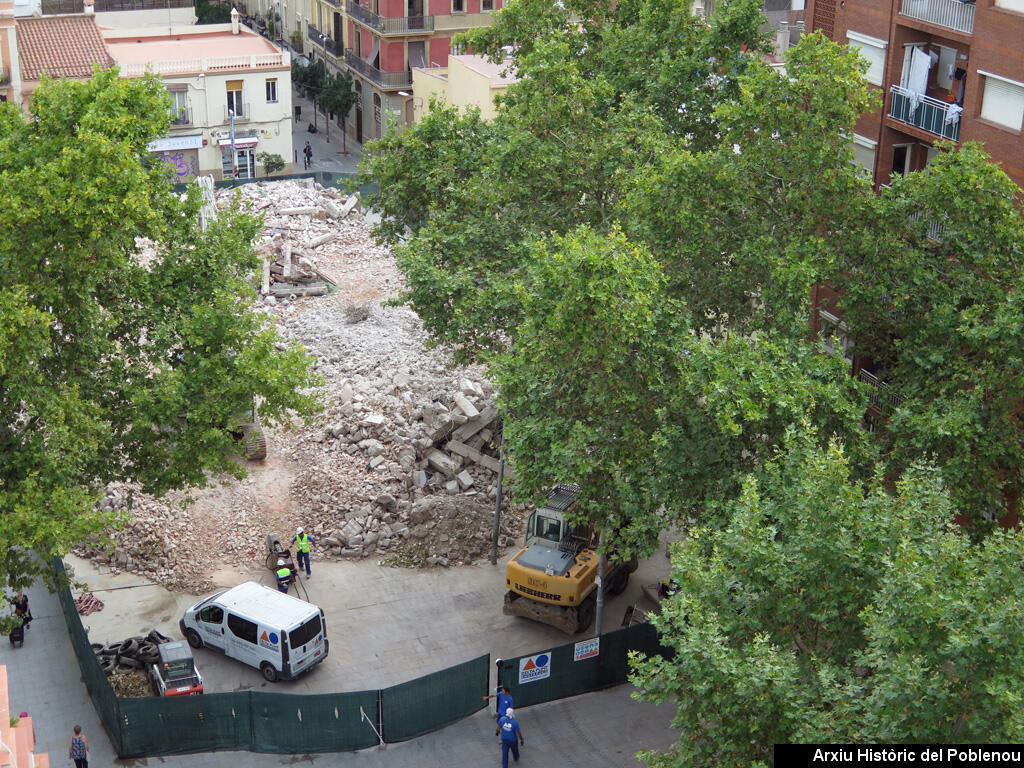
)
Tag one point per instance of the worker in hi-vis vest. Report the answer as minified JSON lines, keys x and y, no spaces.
{"x":302,"y":541}
{"x":284,"y":576}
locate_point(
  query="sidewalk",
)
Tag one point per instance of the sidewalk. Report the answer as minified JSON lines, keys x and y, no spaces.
{"x":327,"y":155}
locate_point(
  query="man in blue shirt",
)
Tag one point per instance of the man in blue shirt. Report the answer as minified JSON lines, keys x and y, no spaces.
{"x":508,"y":727}
{"x":504,"y":697}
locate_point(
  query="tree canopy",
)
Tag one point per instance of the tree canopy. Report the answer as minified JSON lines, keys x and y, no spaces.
{"x":826,"y":613}
{"x":114,"y":367}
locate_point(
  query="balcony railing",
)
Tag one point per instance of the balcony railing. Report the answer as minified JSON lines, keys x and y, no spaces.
{"x":62,"y":6}
{"x":882,"y":398}
{"x":401,"y":25}
{"x":388,"y":80}
{"x":181,"y":116}
{"x":213,"y":64}
{"x":938,"y":117}
{"x":317,"y":37}
{"x":243,"y":115}
{"x":951,"y":14}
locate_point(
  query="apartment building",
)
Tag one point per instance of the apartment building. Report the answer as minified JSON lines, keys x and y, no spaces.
{"x":232,"y":95}
{"x":380,"y":42}
{"x":231,"y":88}
{"x":469,"y":80}
{"x":947,"y":69}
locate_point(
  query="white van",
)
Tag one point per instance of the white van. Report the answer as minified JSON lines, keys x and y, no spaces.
{"x":280,"y":635}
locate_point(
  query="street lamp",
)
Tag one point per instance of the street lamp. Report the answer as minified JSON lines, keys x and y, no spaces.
{"x":234,"y":154}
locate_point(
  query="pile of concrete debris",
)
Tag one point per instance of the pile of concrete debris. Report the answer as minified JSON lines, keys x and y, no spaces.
{"x":402,"y":462}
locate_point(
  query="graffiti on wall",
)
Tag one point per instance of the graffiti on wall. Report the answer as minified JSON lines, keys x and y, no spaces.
{"x":184,"y":164}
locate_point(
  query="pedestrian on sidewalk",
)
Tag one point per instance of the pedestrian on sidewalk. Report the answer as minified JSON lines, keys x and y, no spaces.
{"x":302,"y":541}
{"x":504,"y":697}
{"x":509,"y":729}
{"x":307,"y":156}
{"x":78,"y":749}
{"x":19,"y":607}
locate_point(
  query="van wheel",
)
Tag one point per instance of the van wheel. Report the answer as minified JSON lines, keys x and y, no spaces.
{"x":193,"y":638}
{"x":269,"y":673}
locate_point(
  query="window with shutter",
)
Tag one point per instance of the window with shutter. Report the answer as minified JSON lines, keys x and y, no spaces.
{"x":864,"y":152}
{"x":872,"y":49}
{"x":1003,"y":101}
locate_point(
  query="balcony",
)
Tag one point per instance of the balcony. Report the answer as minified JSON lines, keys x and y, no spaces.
{"x":936,"y":117}
{"x":211,"y":64}
{"x":882,"y":399}
{"x":387,"y":80}
{"x":401,"y":25}
{"x":329,"y":44}
{"x":951,"y":14}
{"x":243,"y":115}
{"x":181,"y":116}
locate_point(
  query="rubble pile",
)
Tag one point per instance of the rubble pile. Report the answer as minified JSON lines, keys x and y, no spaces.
{"x":402,"y":462}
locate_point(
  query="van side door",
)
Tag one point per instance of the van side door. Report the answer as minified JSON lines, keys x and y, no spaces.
{"x":242,"y":641}
{"x":210,"y":621}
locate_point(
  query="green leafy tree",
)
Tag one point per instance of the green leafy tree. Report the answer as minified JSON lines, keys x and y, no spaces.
{"x":748,"y":226}
{"x":337,"y":97}
{"x":111,"y":368}
{"x":549,"y":163}
{"x":271,"y":161}
{"x":933,"y":297}
{"x":824,"y":612}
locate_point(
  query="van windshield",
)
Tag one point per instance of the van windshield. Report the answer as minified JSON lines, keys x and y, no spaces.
{"x":301,"y":635}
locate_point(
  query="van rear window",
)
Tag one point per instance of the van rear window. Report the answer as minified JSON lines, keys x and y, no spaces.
{"x":300,"y":636}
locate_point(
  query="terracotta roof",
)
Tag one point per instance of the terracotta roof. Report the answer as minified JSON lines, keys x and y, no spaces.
{"x":60,"y":46}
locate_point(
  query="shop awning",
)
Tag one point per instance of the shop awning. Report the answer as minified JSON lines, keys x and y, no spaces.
{"x":241,"y":142}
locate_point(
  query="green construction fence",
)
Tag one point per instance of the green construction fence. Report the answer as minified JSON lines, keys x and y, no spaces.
{"x":258,"y":721}
{"x":577,"y":667}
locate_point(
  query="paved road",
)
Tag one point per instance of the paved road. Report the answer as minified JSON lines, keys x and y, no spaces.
{"x":336,"y":154}
{"x":391,"y":625}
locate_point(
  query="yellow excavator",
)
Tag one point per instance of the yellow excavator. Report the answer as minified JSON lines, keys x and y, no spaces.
{"x":553,"y":578}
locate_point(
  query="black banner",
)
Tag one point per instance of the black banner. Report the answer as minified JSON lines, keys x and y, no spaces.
{"x":898,"y":754}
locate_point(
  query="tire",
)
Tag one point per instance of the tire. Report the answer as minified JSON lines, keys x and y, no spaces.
{"x":146,"y":649}
{"x":97,"y":647}
{"x":111,"y":650}
{"x":618,"y":582}
{"x":585,"y":615}
{"x":157,"y":638}
{"x":108,"y":664}
{"x":193,"y":638}
{"x":129,"y":647}
{"x":269,"y":673}
{"x":129,"y":662}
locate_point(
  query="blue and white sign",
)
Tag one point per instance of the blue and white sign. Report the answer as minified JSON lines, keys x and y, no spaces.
{"x":535,"y":667}
{"x":586,"y":649}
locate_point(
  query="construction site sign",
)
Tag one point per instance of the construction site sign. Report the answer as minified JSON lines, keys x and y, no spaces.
{"x":586,"y":649}
{"x":535,"y":667}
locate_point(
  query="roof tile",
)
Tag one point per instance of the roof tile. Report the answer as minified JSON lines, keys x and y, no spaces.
{"x":60,"y":46}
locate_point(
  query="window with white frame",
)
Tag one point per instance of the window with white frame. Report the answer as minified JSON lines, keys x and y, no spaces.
{"x":179,"y":106}
{"x":271,"y":89}
{"x":234,"y":98}
{"x":872,"y":49}
{"x":835,"y":334}
{"x":1003,"y":101}
{"x":486,"y":5}
{"x":458,"y":6}
{"x":864,"y":152}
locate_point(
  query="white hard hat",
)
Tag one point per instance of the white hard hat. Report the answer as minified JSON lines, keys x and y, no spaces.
{"x":280,"y":562}
{"x":509,"y":712}
{"x":299,"y":529}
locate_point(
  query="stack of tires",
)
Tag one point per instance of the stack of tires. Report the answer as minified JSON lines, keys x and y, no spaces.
{"x":134,"y":653}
